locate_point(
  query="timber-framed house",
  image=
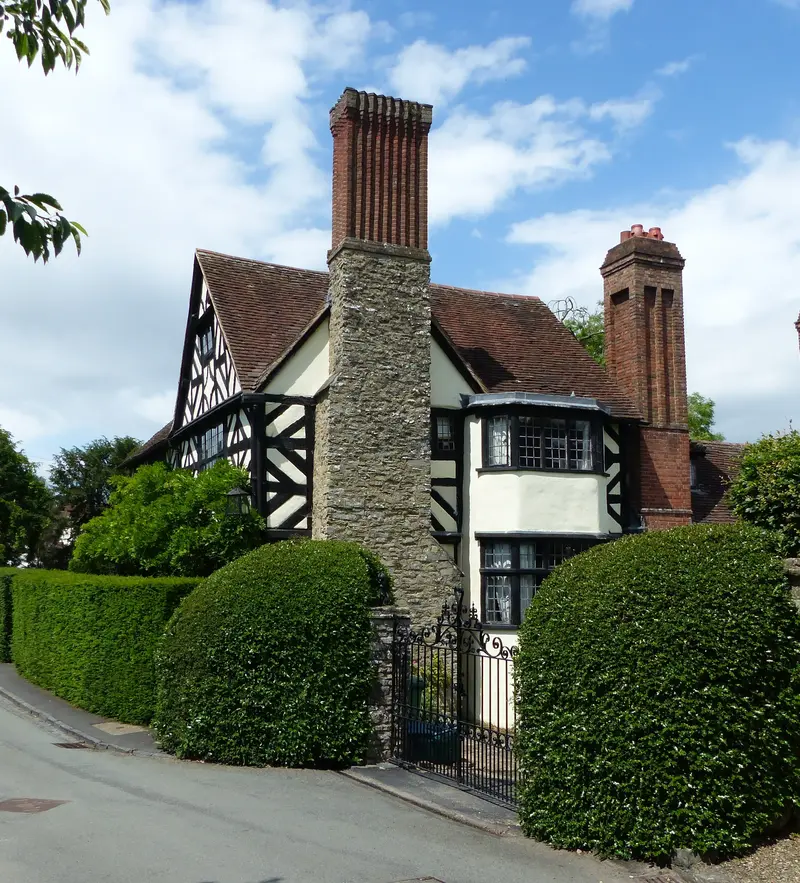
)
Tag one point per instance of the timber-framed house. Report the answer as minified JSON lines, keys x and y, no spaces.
{"x":465,"y":436}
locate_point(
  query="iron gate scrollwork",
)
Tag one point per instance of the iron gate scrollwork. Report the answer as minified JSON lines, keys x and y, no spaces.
{"x":454,"y":704}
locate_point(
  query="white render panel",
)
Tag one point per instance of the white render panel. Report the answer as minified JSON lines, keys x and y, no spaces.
{"x":276,"y":518}
{"x":289,"y":416}
{"x":305,"y":372}
{"x":443,"y":468}
{"x":447,"y":383}
{"x":279,"y":460}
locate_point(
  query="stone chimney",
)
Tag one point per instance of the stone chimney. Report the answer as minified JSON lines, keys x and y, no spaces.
{"x":645,"y":355}
{"x":372,"y":451}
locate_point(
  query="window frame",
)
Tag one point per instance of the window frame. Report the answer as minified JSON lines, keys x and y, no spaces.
{"x":204,"y":459}
{"x":515,"y":541}
{"x":205,"y":326}
{"x":571,"y":418}
{"x":456,"y":418}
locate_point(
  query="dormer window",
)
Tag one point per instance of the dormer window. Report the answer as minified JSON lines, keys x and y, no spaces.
{"x":525,"y":441}
{"x":206,"y":343}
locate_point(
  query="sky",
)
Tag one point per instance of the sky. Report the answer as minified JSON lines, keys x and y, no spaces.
{"x":204,"y":124}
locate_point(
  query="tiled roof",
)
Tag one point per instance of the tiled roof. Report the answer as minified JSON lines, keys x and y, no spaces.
{"x":150,"y":447}
{"x":262,"y":308}
{"x":510,"y":342}
{"x":515,"y":343}
{"x":715,"y":466}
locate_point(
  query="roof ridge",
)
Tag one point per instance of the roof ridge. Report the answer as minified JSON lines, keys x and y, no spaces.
{"x":233,"y":257}
{"x":481,"y":293}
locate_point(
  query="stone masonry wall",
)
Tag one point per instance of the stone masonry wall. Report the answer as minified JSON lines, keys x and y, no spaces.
{"x":372,"y":457}
{"x":384,"y":622}
{"x":791,"y":567}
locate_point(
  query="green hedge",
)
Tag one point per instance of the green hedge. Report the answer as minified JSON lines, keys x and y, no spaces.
{"x":269,"y":660}
{"x":91,"y":639}
{"x":6,"y":575}
{"x":657,"y":682}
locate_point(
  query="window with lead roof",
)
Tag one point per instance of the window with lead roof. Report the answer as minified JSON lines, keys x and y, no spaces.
{"x":525,"y":441}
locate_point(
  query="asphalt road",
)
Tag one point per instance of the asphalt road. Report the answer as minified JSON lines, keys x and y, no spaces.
{"x":148,"y":820}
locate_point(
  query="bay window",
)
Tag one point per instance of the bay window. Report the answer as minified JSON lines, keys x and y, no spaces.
{"x":525,"y":441}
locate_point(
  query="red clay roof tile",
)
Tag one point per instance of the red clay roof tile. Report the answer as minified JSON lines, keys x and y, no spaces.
{"x":715,"y":466}
{"x":511,"y":342}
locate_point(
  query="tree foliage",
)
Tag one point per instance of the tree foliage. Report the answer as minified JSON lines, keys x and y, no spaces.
{"x":163,"y":522}
{"x":766,"y":489}
{"x":588,"y":328}
{"x":47,"y":29}
{"x":25,"y":504}
{"x":81,"y":477}
{"x":701,"y":419}
{"x":658,"y":695}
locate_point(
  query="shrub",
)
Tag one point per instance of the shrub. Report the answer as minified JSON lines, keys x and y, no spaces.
{"x":91,"y":639}
{"x":766,"y":490}
{"x":658,"y":695}
{"x":269,"y":660}
{"x":163,"y":522}
{"x":6,"y":575}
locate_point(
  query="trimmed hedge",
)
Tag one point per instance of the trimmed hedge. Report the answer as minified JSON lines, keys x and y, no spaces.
{"x":91,"y":639}
{"x":657,"y":682}
{"x":6,"y":575}
{"x":269,"y":660}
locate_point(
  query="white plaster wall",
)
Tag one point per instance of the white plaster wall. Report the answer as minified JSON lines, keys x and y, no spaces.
{"x":447,"y":384}
{"x":305,"y":372}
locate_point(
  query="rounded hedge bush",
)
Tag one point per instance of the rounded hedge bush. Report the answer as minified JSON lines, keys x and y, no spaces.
{"x":268,"y":661}
{"x":657,"y":682}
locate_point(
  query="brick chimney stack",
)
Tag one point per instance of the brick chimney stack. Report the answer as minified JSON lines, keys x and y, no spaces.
{"x":380,"y":170}
{"x":645,"y":354}
{"x":372,"y":458}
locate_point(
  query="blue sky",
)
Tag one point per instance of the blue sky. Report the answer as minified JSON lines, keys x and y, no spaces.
{"x":556,"y":125}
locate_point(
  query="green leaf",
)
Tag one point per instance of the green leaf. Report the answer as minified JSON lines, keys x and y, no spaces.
{"x":44,"y":200}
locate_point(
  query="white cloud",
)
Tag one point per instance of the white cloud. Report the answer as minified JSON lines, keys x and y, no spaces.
{"x":600,"y":9}
{"x":431,"y":73}
{"x":676,"y":68}
{"x":625,"y":113}
{"x":742,"y":246}
{"x":187,"y":126}
{"x":477,"y":161}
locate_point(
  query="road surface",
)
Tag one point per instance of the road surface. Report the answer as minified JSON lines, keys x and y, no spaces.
{"x":149,"y":820}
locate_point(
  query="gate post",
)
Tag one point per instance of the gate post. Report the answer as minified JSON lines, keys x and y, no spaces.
{"x":385,"y":620}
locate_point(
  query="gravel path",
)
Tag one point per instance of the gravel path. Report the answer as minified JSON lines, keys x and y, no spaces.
{"x":777,"y":863}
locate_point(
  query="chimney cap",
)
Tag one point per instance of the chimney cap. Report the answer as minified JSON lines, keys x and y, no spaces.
{"x":637,"y":232}
{"x":359,"y":103}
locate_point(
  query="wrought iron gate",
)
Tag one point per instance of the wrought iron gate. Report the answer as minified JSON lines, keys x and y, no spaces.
{"x":454,"y":703}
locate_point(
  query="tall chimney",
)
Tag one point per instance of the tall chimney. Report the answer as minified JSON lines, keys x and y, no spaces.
{"x":380,"y":170}
{"x":645,"y":354}
{"x":372,"y":458}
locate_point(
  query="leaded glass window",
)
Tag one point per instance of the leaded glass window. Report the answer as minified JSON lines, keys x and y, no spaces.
{"x":526,"y":441}
{"x":513,"y":570}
